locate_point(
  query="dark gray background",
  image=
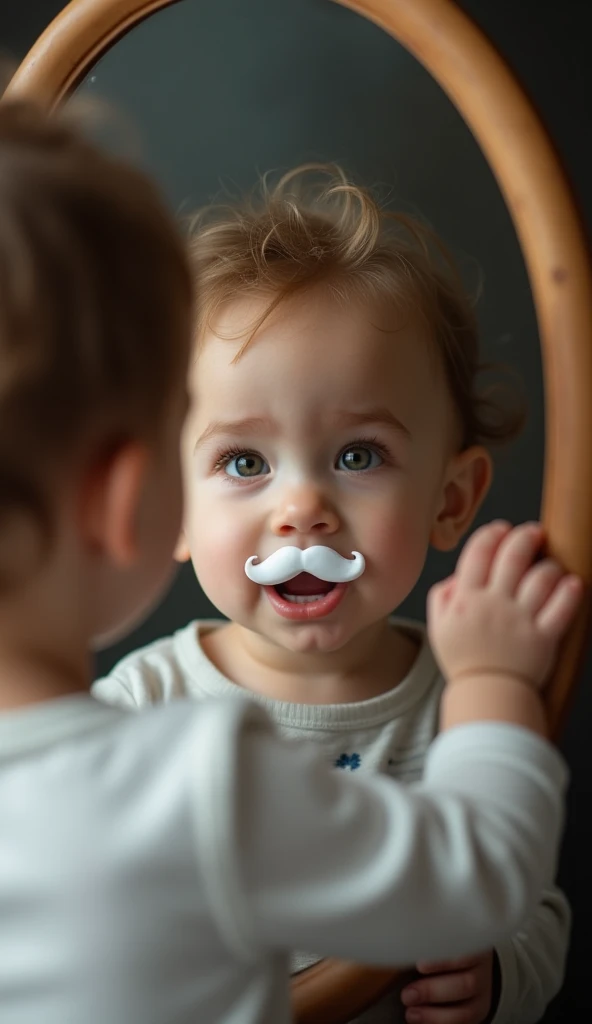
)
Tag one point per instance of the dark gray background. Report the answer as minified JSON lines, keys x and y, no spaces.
{"x":212,"y":94}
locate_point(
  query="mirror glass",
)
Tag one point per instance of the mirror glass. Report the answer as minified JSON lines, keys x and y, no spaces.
{"x":214,"y":94}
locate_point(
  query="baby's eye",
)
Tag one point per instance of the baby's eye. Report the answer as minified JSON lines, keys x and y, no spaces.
{"x":359,"y":457}
{"x":247,"y":464}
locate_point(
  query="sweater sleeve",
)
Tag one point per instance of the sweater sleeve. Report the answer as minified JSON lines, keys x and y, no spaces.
{"x":139,"y":681}
{"x":532,"y":962}
{"x":118,"y":690}
{"x":298,"y":856}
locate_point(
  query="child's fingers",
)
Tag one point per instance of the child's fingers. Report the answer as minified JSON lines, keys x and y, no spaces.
{"x":537,"y":585}
{"x":449,"y":987}
{"x":515,"y":555}
{"x":558,"y":612}
{"x":477,"y":556}
{"x":439,"y":595}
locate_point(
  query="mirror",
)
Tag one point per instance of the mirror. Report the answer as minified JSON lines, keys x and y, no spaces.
{"x":310,"y":80}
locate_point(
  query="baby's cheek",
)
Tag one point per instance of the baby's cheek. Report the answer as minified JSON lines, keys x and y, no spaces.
{"x":397,"y":545}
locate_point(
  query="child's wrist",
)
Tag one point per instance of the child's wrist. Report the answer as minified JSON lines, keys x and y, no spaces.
{"x":489,"y":676}
{"x":492,"y":696}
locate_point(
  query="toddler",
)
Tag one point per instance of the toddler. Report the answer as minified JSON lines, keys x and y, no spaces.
{"x":337,"y":430}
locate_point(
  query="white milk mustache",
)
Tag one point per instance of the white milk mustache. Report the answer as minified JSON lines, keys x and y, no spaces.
{"x":320,"y":561}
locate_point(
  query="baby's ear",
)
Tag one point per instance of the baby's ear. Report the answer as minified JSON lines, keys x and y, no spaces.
{"x":182,"y":552}
{"x":467,"y":481}
{"x":110,"y":502}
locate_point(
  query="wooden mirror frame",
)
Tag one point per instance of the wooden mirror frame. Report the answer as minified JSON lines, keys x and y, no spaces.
{"x":439,"y":35}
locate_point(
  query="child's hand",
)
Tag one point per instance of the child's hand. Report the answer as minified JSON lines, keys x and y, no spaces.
{"x":498,"y":614}
{"x":457,"y":992}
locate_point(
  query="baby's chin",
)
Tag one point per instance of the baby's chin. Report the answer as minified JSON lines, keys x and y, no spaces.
{"x":310,"y":637}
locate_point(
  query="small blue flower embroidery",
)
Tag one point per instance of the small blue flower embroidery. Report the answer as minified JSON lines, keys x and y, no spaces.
{"x":351,"y":761}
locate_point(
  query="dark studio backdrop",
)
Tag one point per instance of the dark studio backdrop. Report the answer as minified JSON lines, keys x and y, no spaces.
{"x":215,"y":93}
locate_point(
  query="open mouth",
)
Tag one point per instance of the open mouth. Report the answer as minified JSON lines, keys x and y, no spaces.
{"x":303,"y":588}
{"x":305,"y":597}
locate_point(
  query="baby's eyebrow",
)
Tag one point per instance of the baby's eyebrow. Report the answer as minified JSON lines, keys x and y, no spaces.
{"x":248,"y":425}
{"x":369,"y":416}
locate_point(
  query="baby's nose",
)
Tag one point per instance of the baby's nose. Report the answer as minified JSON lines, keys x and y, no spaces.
{"x":304,"y":511}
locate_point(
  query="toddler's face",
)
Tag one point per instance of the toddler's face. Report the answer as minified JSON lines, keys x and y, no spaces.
{"x":328,"y":430}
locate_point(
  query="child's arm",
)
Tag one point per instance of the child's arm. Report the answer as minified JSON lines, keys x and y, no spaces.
{"x":366,"y":869}
{"x":528,"y":969}
{"x":363,"y":868}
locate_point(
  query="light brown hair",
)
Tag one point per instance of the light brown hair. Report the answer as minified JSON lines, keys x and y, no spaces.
{"x":307,"y":231}
{"x":95,"y":303}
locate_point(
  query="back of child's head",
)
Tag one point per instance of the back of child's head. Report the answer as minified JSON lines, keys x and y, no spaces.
{"x":95,"y":301}
{"x":306,"y":232}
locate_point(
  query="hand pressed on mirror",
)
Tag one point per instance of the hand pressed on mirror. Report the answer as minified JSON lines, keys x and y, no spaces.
{"x":499,"y":618}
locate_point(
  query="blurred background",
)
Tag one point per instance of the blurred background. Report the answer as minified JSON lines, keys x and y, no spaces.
{"x":211,"y":95}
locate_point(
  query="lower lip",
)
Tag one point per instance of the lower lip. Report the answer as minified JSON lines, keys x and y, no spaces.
{"x":309,"y":610}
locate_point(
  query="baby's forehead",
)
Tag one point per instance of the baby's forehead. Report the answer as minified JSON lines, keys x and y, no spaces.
{"x":319,"y":319}
{"x":320,"y":355}
{"x":315,"y":327}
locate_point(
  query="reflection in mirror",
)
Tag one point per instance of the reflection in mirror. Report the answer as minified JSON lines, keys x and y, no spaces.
{"x":216,"y":94}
